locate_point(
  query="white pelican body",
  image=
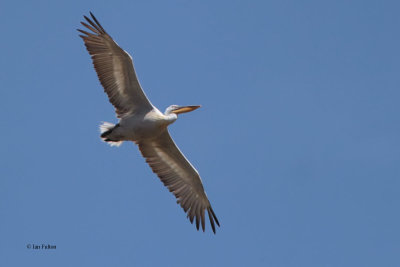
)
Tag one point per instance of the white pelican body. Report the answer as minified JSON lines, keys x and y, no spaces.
{"x":143,"y":124}
{"x":137,"y":127}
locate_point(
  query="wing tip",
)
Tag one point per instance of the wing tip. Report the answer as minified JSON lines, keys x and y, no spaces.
{"x":95,"y":24}
{"x":200,"y":219}
{"x":212,"y":217}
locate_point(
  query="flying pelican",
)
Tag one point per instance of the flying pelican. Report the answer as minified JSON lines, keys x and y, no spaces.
{"x":143,"y":124}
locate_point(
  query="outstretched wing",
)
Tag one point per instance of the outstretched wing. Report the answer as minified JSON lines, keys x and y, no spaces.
{"x":115,"y":70}
{"x":179,"y":176}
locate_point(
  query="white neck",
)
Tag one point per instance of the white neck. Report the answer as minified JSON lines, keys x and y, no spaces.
{"x":170,"y":117}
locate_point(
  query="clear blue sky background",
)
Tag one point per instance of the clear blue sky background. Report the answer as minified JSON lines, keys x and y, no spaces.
{"x":297,"y":140}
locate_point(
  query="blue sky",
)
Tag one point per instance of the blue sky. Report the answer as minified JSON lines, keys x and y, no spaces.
{"x":297,"y":140}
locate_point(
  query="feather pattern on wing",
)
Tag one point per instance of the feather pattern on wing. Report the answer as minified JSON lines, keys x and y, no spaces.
{"x":115,"y":70}
{"x":180,"y":177}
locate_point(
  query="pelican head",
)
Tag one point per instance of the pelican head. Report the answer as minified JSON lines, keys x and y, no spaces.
{"x":175,"y":109}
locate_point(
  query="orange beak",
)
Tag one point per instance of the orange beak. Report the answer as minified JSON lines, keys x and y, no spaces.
{"x":185,"y":109}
